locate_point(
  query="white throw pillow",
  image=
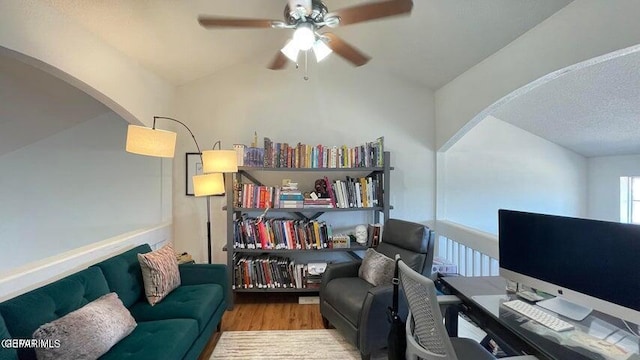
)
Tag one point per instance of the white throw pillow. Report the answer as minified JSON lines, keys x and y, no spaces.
{"x":86,"y":333}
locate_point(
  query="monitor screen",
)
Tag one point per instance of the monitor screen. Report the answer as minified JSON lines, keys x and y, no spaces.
{"x":589,"y":262}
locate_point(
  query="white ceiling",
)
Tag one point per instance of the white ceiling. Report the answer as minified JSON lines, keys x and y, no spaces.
{"x":439,"y":40}
{"x":594,"y":111}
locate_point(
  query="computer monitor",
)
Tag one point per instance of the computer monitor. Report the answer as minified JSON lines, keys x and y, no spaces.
{"x":591,"y":263}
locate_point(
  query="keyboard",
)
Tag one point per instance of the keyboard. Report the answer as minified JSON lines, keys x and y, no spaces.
{"x":538,"y":315}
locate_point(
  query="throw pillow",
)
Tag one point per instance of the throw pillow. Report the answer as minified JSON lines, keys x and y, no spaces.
{"x":86,"y":333}
{"x":376,"y":268}
{"x":160,"y":273}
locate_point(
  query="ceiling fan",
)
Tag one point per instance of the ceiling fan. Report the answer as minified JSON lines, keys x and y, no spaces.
{"x":307,"y":17}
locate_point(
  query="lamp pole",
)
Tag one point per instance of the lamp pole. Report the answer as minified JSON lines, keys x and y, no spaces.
{"x":208,"y":196}
{"x":145,"y":141}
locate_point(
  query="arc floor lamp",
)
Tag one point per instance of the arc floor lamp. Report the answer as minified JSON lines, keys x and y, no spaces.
{"x":161,"y":143}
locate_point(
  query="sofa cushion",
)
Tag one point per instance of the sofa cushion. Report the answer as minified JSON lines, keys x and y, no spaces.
{"x":25,"y":313}
{"x":161,"y":339}
{"x":159,"y":273}
{"x":124,"y":276}
{"x":347,"y":294}
{"x":88,"y":332}
{"x":6,"y":353}
{"x":197,"y":302}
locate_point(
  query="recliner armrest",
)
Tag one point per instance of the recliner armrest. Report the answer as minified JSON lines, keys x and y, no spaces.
{"x":374,"y":324}
{"x":339,"y":270}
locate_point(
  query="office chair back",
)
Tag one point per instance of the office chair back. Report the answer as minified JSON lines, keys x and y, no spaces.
{"x":426,"y":334}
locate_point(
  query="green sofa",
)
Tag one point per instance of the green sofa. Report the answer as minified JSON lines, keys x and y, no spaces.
{"x":178,"y":327}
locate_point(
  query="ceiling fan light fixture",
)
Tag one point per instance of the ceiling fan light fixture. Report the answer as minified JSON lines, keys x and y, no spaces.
{"x":321,"y":50}
{"x":291,"y":51}
{"x":304,"y":36}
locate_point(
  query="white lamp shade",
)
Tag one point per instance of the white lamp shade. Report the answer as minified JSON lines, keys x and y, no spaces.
{"x":208,"y":184}
{"x":151,"y":142}
{"x":219,"y":161}
{"x":291,"y":51}
{"x":321,"y":50}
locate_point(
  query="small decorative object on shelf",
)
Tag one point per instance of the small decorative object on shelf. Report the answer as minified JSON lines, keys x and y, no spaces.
{"x":341,"y":241}
{"x":361,"y":234}
{"x":185,"y":258}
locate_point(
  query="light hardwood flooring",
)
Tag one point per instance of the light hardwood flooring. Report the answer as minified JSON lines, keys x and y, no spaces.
{"x":282,"y":312}
{"x":266,"y":312}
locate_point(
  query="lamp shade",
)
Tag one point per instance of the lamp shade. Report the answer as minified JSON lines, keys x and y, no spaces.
{"x":321,"y":50}
{"x":208,"y":184}
{"x":291,"y":51}
{"x":151,"y":142}
{"x":219,"y":161}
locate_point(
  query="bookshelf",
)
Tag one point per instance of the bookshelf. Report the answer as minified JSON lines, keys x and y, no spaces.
{"x":266,"y":256}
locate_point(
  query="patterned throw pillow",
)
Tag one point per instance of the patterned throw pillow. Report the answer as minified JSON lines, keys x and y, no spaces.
{"x":86,"y":333}
{"x":159,"y":273}
{"x":377,"y":269}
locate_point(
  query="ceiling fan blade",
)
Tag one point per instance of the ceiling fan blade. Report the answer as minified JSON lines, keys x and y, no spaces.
{"x":279,"y":62}
{"x":215,"y":21}
{"x":373,"y":11}
{"x":345,"y":50}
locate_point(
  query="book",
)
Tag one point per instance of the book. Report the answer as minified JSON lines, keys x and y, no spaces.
{"x":374,"y":235}
{"x":239,"y":148}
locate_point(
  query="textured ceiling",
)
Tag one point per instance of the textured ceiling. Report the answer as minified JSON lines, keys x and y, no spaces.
{"x":594,"y":111}
{"x":439,"y":40}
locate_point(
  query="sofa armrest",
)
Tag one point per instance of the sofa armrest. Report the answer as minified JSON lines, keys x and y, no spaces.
{"x":339,"y":270}
{"x":195,"y":274}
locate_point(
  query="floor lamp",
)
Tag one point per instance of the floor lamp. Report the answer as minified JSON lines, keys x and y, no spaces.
{"x":160,"y":143}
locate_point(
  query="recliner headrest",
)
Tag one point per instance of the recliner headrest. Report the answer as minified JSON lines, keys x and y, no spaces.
{"x":407,"y":235}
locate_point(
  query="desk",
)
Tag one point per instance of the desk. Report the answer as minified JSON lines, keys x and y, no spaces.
{"x":516,"y":335}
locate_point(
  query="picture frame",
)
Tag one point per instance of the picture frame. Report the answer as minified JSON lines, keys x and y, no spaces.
{"x":193,"y":162}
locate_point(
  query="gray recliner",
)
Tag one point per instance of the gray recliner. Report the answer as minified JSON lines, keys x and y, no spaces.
{"x":357,"y":309}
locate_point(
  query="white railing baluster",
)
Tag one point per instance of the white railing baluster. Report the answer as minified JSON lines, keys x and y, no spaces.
{"x":474,"y":252}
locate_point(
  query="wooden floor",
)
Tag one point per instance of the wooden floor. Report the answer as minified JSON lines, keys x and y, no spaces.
{"x":266,"y":312}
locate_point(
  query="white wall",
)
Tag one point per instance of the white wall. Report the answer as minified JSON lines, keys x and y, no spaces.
{"x":604,"y":184}
{"x":344,"y":105}
{"x":497,"y":165}
{"x":582,"y":30}
{"x":76,"y":188}
{"x":65,"y":49}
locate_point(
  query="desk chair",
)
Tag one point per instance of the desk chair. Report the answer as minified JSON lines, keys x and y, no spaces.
{"x":426,"y":335}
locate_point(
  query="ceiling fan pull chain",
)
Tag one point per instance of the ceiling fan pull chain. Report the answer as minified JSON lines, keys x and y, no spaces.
{"x":306,"y":69}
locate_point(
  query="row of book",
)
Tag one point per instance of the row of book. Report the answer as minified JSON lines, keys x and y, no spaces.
{"x":362,"y":192}
{"x":271,"y":272}
{"x":353,"y":192}
{"x":261,"y":233}
{"x":283,"y":155}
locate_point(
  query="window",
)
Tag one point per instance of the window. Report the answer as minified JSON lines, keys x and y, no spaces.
{"x":630,"y":199}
